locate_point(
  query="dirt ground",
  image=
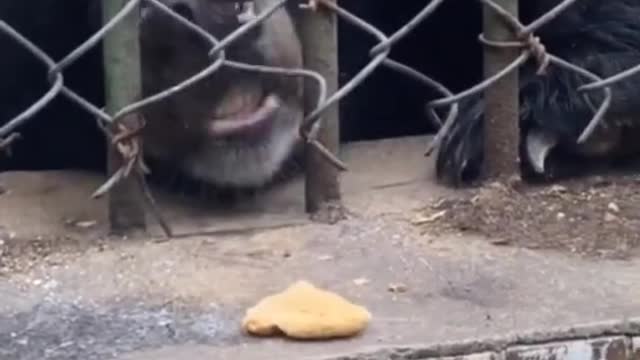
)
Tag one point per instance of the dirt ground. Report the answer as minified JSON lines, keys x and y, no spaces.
{"x":593,"y":216}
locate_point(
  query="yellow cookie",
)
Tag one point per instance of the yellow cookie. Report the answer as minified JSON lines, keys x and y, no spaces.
{"x":303,"y":311}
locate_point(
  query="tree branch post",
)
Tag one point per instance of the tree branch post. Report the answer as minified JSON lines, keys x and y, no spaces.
{"x":122,"y":87}
{"x":501,"y":130}
{"x":319,"y":34}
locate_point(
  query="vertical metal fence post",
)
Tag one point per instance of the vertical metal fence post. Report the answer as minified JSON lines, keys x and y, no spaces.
{"x":122,"y":87}
{"x":501,"y":130}
{"x":319,"y":34}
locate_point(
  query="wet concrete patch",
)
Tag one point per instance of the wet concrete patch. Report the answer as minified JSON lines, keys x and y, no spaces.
{"x":55,"y":330}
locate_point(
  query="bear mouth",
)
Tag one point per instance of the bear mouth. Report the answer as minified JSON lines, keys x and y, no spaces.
{"x":244,"y":112}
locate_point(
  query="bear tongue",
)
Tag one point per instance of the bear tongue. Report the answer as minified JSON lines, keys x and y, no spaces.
{"x":245,"y":121}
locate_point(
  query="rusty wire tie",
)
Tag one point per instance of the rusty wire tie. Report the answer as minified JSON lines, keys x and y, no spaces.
{"x":531,"y":47}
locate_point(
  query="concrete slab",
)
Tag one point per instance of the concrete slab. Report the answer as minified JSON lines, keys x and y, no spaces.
{"x":185,"y":298}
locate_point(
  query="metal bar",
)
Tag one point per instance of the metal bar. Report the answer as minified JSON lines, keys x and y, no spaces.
{"x":319,"y":34}
{"x":122,"y":87}
{"x":501,"y":124}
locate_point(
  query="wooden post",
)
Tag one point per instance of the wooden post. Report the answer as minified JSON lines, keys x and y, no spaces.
{"x":501,"y":130}
{"x":319,"y":34}
{"x":122,"y":87}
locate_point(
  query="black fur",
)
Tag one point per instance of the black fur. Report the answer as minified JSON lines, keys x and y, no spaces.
{"x":600,"y":36}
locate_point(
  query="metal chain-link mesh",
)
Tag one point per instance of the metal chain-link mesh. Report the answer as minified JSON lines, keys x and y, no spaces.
{"x":530,"y":45}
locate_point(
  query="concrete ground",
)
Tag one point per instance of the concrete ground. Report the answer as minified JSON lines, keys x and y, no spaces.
{"x":185,"y":298}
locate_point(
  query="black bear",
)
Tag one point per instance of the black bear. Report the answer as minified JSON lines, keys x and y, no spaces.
{"x":601,"y":37}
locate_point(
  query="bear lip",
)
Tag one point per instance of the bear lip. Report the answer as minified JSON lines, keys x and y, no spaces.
{"x":246,"y":121}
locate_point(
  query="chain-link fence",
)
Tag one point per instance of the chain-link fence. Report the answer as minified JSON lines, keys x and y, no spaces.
{"x":125,"y":141}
